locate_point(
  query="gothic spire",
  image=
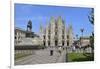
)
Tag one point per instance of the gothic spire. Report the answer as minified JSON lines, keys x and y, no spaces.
{"x":59,"y":20}
{"x":41,"y":27}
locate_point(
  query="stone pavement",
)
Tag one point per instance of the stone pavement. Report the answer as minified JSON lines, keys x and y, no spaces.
{"x":43,"y":57}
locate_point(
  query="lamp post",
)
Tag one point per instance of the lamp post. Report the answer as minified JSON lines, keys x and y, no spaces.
{"x":82,"y":30}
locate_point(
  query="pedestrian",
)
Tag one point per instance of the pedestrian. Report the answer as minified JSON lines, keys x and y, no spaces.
{"x":73,"y":48}
{"x":51,"y":51}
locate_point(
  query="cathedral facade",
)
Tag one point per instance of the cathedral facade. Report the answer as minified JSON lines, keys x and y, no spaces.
{"x":56,"y":33}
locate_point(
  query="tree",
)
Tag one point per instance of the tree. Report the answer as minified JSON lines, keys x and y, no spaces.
{"x":91,"y":20}
{"x":91,"y":16}
{"x":82,"y":30}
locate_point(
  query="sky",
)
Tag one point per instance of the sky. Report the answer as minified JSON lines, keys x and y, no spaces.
{"x":41,"y":14}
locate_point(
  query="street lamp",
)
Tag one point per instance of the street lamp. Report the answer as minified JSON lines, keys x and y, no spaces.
{"x":82,"y":30}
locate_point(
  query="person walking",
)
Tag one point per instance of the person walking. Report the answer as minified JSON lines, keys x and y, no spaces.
{"x":73,"y":48}
{"x":51,"y":51}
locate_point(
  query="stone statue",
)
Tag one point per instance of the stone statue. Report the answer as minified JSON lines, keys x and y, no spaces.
{"x":29,"y":26}
{"x":29,"y":32}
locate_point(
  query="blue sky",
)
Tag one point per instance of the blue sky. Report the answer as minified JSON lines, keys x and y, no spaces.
{"x":77,"y":16}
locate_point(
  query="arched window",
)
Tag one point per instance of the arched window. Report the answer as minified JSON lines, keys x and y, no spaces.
{"x":15,"y":37}
{"x":44,"y":43}
{"x":67,"y":36}
{"x":67,"y":43}
{"x":44,"y":37}
{"x":48,"y":43}
{"x":48,"y":36}
{"x":62,"y":36}
{"x":62,"y":43}
{"x":56,"y":42}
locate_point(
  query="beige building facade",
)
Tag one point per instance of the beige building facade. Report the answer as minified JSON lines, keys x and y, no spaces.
{"x":19,"y":35}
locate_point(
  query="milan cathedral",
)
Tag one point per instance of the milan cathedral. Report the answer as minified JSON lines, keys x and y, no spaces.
{"x":56,"y":33}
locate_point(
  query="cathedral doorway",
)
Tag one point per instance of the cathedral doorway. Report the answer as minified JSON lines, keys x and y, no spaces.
{"x":56,"y":42}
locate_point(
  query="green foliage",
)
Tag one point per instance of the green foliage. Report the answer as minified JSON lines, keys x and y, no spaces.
{"x":78,"y":57}
{"x":20,"y":55}
{"x":91,"y":16}
{"x":92,"y":41}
